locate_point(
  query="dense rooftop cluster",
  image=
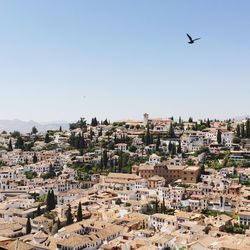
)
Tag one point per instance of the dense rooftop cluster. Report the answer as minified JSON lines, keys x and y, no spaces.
{"x":149,"y":184}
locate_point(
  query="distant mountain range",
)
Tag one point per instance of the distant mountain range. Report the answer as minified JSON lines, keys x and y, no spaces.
{"x":26,"y":126}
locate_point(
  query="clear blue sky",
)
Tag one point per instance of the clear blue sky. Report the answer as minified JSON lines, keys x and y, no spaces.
{"x":127,"y":57}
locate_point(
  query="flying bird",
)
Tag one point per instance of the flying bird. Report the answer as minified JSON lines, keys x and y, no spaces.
{"x":191,"y":40}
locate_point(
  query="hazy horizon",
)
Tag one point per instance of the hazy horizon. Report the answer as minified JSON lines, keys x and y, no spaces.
{"x":138,"y":118}
{"x":61,"y":60}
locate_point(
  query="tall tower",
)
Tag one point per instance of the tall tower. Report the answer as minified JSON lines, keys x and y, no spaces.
{"x":145,"y":119}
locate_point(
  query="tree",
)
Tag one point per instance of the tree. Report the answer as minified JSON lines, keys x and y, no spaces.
{"x":238,"y":132}
{"x":105,"y":158}
{"x":91,"y":134}
{"x":10,"y":147}
{"x":30,"y":174}
{"x":120,"y":161}
{"x":242,"y":130}
{"x":60,"y":129}
{"x":170,"y":145}
{"x":105,"y":122}
{"x":156,"y":205}
{"x":15,"y":134}
{"x":180,"y":121}
{"x":173,"y":150}
{"x":236,"y":140}
{"x":158,"y":143}
{"x":163,"y":207}
{"x":53,"y":200}
{"x":35,"y":158}
{"x":219,"y":136}
{"x":79,"y":212}
{"x":171,"y":133}
{"x":148,"y":136}
{"x":179,"y":148}
{"x":190,"y":119}
{"x":38,"y":211}
{"x":229,"y":128}
{"x":69,"y":216}
{"x":28,"y":226}
{"x":132,"y":148}
{"x":19,"y":143}
{"x":82,"y":124}
{"x":94,"y":122}
{"x":47,"y":138}
{"x":208,"y":123}
{"x":118,"y":201}
{"x":50,"y":201}
{"x":34,"y":130}
{"x":248,"y":128}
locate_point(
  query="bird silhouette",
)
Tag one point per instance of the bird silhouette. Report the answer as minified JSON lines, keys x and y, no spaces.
{"x":191,"y":40}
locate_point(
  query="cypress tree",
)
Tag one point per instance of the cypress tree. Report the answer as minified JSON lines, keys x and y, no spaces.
{"x":148,"y":137}
{"x":208,"y":123}
{"x":79,"y":212}
{"x":48,"y":201}
{"x":173,"y":150}
{"x":91,"y":134}
{"x":158,"y":143}
{"x":151,"y":139}
{"x":47,"y":138}
{"x":69,"y":216}
{"x":120,"y":162}
{"x":105,"y":159}
{"x":143,"y":139}
{"x":28,"y":226}
{"x":161,"y":209}
{"x":243,"y":130}
{"x":106,"y":122}
{"x":35,"y":158}
{"x":248,"y":128}
{"x":156,"y":205}
{"x":180,"y":121}
{"x":196,"y":126}
{"x":19,"y":143}
{"x":170,"y":147}
{"x":171,"y":133}
{"x":179,"y":148}
{"x":38,"y":211}
{"x":163,"y":206}
{"x":219,"y":136}
{"x":10,"y":147}
{"x":53,"y":200}
{"x":34,"y":130}
{"x":238,"y":132}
